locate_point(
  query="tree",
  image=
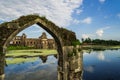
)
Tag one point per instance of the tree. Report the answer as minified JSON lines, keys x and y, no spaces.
{"x":76,"y":42}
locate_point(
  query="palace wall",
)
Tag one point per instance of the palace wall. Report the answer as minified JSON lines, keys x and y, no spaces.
{"x":42,"y":42}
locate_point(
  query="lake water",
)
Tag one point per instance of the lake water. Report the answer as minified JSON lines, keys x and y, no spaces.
{"x":34,"y":70}
{"x":98,"y":65}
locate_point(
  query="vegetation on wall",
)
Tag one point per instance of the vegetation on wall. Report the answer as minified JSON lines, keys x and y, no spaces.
{"x":73,"y":53}
{"x":67,"y":36}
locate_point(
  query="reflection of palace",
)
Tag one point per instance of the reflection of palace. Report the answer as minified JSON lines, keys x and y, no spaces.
{"x":42,"y":42}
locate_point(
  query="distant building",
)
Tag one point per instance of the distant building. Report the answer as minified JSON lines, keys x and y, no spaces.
{"x":42,"y":42}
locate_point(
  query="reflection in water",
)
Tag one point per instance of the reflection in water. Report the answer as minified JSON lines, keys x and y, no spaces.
{"x":98,"y":65}
{"x":89,"y":69}
{"x":43,"y":58}
{"x":102,"y":65}
{"x":55,"y":55}
{"x":2,"y":63}
{"x":38,"y":70}
{"x":44,"y":68}
{"x":101,"y":56}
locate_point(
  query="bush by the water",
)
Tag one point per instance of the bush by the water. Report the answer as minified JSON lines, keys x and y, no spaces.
{"x":76,"y":42}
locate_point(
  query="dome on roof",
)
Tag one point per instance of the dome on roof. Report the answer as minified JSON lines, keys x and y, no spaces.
{"x":43,"y":36}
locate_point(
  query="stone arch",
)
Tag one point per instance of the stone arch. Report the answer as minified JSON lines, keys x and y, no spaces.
{"x":11,"y":29}
{"x":62,"y":36}
{"x":53,"y":34}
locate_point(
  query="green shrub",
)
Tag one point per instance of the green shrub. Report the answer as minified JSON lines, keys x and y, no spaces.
{"x":76,"y":42}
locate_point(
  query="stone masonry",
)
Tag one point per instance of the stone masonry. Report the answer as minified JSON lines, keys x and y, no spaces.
{"x":63,"y":38}
{"x":40,"y":43}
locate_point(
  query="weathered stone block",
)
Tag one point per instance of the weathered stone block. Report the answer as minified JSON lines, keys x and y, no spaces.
{"x":73,"y":65}
{"x":13,"y":25}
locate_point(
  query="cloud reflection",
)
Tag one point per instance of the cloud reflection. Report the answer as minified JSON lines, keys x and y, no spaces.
{"x":89,"y":69}
{"x":101,"y":56}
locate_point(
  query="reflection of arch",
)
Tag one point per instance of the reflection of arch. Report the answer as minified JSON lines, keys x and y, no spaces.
{"x":43,"y":58}
{"x":55,"y":55}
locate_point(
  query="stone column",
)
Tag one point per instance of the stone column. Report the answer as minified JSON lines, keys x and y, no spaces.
{"x":72,"y":67}
{"x":2,"y":50}
{"x":2,"y":64}
{"x":76,"y":67}
{"x":62,"y":67}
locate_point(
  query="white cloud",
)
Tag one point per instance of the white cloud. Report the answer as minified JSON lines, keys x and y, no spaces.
{"x":34,"y":31}
{"x":118,"y":15}
{"x":76,"y":21}
{"x":78,"y":11}
{"x":102,"y":1}
{"x":87,"y":35}
{"x":87,"y":20}
{"x":105,"y":28}
{"x":58,"y":11}
{"x":100,"y":32}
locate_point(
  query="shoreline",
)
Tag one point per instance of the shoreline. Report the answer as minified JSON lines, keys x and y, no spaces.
{"x":99,"y":47}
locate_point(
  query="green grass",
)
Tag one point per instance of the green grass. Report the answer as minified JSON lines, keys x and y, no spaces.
{"x":30,"y":52}
{"x":18,"y":47}
{"x":99,"y":47}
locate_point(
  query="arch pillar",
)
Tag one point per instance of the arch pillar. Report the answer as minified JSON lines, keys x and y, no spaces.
{"x":2,"y":66}
{"x":2,"y":50}
{"x":72,"y":68}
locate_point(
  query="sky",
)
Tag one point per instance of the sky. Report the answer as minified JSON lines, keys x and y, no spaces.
{"x":87,"y":18}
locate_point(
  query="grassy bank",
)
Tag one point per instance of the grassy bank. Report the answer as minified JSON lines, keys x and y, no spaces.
{"x":99,"y":47}
{"x":30,"y":52}
{"x":19,"y":48}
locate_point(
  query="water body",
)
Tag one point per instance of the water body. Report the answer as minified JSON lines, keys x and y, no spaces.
{"x":102,"y":65}
{"x":98,"y":65}
{"x":40,"y":69}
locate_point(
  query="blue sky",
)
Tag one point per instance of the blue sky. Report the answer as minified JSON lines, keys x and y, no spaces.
{"x":87,"y":18}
